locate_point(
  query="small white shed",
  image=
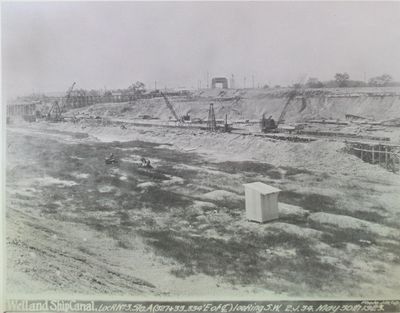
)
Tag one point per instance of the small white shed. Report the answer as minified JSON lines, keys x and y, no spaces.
{"x":261,"y":202}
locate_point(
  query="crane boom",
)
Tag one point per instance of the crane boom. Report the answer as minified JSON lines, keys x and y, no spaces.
{"x":285,"y":108}
{"x":69,"y":91}
{"x":67,"y":96}
{"x":171,"y":107}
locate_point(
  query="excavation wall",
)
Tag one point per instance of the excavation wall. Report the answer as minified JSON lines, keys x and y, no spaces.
{"x":375,"y":104}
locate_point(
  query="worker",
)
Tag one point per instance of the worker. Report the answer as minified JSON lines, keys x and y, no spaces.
{"x":111,"y":159}
{"x":145,"y":163}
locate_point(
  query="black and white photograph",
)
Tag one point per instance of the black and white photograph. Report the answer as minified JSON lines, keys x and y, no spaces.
{"x":200,"y":151}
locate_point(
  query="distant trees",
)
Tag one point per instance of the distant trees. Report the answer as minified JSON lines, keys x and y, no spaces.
{"x":84,"y":93}
{"x":137,"y":88}
{"x":342,"y":79}
{"x":94,"y":93}
{"x":80,"y":92}
{"x":381,"y":81}
{"x":314,"y":83}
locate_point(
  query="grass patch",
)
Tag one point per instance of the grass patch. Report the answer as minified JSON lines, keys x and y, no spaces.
{"x":154,"y":175}
{"x":235,"y":167}
{"x":291,"y":171}
{"x":187,"y":174}
{"x":274,"y":174}
{"x":240,"y":260}
{"x":160,"y":200}
{"x":338,"y":238}
{"x":368,"y":216}
{"x":317,"y":202}
{"x":309,"y":201}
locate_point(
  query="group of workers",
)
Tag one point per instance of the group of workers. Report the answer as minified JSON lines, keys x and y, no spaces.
{"x":145,"y":163}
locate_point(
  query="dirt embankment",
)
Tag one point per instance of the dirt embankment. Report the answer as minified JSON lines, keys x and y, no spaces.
{"x":377,"y":104}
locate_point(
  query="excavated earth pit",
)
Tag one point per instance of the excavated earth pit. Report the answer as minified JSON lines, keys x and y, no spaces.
{"x":77,"y":225}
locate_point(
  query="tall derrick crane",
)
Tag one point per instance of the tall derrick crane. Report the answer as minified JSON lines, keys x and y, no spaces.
{"x":68,"y":96}
{"x":170,"y":106}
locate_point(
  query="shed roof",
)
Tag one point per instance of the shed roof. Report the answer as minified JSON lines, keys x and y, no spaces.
{"x":262,"y":188}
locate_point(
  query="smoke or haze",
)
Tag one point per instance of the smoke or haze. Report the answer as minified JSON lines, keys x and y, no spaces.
{"x":48,"y":45}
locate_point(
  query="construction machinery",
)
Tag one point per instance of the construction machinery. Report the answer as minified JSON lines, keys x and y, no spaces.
{"x":68,"y":96}
{"x":178,"y":118}
{"x":268,"y":124}
{"x":211,"y":122}
{"x":214,"y":125}
{"x":56,"y":110}
{"x":54,"y":114}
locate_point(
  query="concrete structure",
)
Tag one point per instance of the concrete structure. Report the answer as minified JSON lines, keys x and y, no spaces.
{"x":219,"y":80}
{"x":261,"y":202}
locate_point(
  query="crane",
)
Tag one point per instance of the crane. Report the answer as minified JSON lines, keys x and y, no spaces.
{"x":281,"y":118}
{"x":56,"y":110}
{"x":68,"y":96}
{"x":269,"y":124}
{"x":170,"y":106}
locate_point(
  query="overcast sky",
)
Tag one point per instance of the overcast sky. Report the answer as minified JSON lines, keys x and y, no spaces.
{"x":46,"y":46}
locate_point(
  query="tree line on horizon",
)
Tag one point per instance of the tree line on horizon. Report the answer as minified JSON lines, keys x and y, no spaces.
{"x":342,"y":80}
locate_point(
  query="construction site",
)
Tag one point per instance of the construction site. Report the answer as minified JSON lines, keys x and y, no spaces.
{"x":208,"y":154}
{"x":143,"y":195}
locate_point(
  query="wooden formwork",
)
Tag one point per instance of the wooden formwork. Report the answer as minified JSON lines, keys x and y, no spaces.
{"x":386,"y":156}
{"x":341,"y":134}
{"x":21,"y":109}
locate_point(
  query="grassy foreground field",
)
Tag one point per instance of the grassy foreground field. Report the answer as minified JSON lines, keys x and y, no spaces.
{"x":79,"y":225}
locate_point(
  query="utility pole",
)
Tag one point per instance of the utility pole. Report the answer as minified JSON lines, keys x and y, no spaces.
{"x":252,"y":79}
{"x":208,"y":80}
{"x":155,"y":85}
